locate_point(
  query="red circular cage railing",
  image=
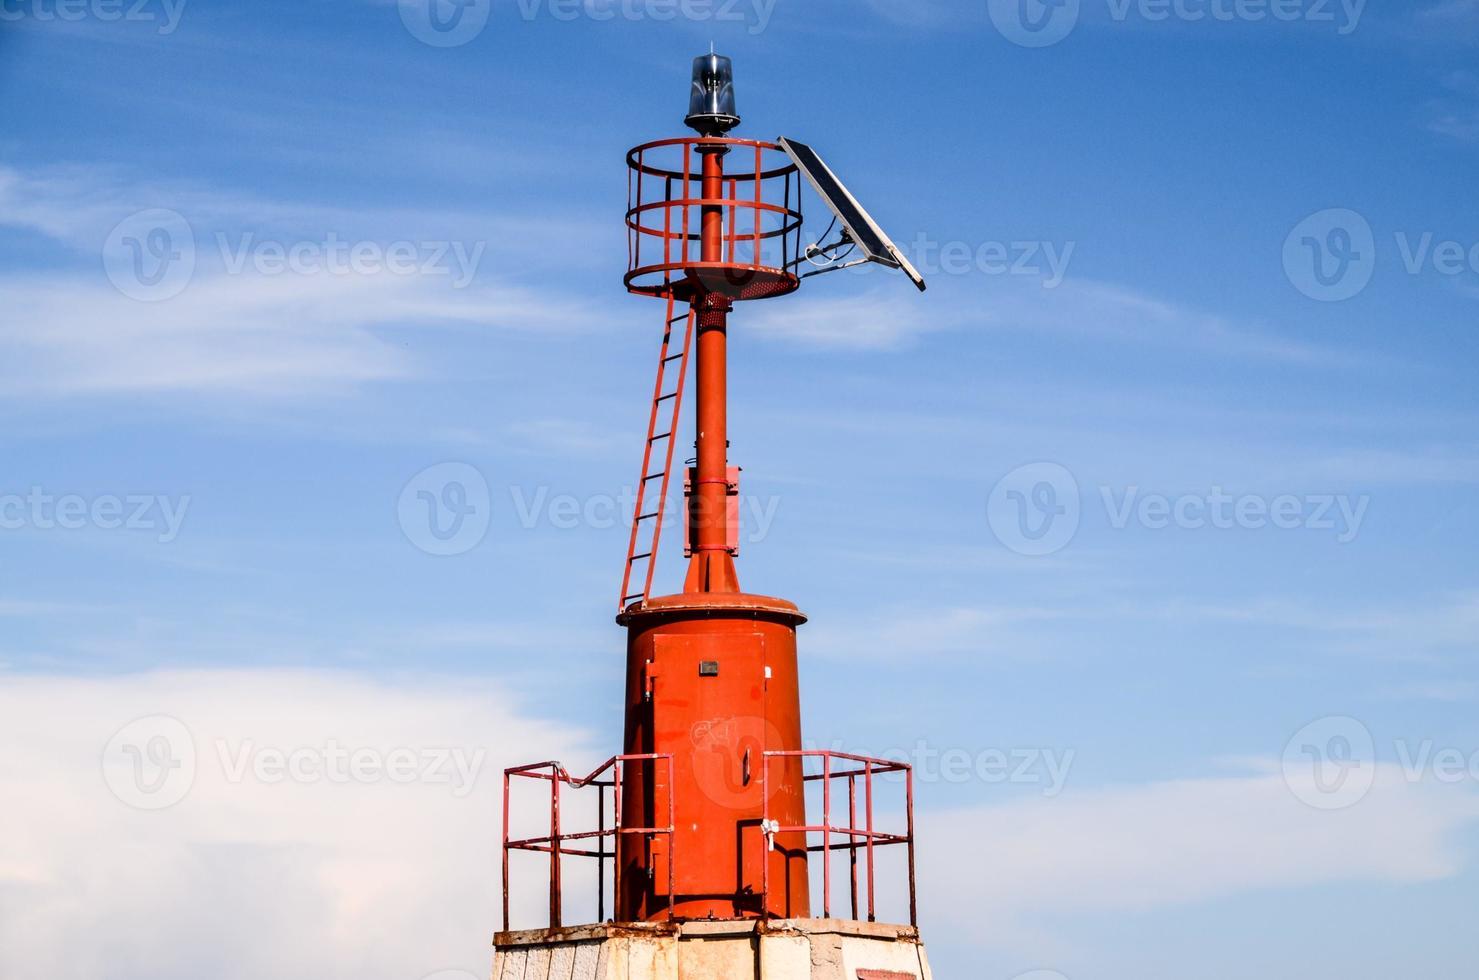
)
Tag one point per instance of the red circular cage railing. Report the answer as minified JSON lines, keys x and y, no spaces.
{"x":759,"y":201}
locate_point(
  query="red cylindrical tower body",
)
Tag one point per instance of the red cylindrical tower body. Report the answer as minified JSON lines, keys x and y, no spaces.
{"x":711,"y":681}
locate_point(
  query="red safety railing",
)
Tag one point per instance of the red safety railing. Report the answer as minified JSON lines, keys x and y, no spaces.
{"x":759,"y":208}
{"x":557,"y":843}
{"x":866,"y":838}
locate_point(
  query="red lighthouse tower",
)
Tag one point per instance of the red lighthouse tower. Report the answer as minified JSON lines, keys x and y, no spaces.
{"x":715,"y":825}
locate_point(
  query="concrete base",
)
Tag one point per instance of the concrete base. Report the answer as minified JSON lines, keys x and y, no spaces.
{"x":780,"y":949}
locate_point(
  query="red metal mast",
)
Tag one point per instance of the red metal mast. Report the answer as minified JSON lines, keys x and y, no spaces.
{"x":711,"y":567}
{"x":709,"y":793}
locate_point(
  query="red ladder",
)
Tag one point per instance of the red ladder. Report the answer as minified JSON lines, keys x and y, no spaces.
{"x":669,"y":437}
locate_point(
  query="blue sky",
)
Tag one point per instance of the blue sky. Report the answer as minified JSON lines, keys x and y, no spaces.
{"x":1176,"y":457}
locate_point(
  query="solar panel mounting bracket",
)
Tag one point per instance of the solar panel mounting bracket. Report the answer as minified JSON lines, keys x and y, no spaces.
{"x":859,"y":228}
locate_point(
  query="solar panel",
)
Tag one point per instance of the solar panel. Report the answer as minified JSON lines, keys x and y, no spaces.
{"x":861,"y":227}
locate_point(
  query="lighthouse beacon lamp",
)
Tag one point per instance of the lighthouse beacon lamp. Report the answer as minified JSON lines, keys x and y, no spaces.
{"x":714,"y":844}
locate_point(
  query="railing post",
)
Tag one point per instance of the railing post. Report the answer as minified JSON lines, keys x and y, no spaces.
{"x":764,"y":832}
{"x":506,"y":780}
{"x":554,"y":852}
{"x":868,"y":790}
{"x":672,"y":838}
{"x":826,"y":835}
{"x":733,"y":204}
{"x":616,"y":893}
{"x":759,"y":199}
{"x":600,"y":853}
{"x":852,"y":837}
{"x":909,"y":805}
{"x":687,"y":193}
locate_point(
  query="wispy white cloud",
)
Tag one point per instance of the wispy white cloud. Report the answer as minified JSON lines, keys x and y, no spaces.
{"x":1444,"y":692}
{"x":1103,"y":311}
{"x":1442,"y":625}
{"x":918,"y":13}
{"x":1449,"y":19}
{"x":892,"y":317}
{"x":379,"y":879}
{"x":925,"y":631}
{"x":1172,"y":843}
{"x":236,"y":326}
{"x":876,"y":320}
{"x":1456,"y":113}
{"x":282,"y":336}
